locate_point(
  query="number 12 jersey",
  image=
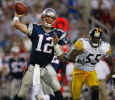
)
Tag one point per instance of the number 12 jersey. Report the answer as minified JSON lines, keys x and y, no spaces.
{"x":42,"y":51}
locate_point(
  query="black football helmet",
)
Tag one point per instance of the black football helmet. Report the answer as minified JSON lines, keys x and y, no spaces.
{"x":95,"y":36}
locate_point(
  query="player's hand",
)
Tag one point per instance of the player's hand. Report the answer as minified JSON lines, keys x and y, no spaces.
{"x":16,"y":19}
{"x":56,"y":39}
{"x":17,"y":15}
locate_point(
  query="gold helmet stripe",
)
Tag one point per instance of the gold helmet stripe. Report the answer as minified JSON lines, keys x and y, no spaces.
{"x":97,"y":31}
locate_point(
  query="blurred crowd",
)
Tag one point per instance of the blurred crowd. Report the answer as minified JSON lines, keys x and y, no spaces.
{"x":81,"y":15}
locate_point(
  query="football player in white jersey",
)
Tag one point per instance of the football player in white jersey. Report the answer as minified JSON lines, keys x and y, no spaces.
{"x":85,"y":53}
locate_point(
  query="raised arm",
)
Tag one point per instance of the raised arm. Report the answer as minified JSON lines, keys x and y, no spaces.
{"x":19,"y":25}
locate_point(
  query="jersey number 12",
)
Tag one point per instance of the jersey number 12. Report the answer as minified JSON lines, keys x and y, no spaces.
{"x":46,"y":46}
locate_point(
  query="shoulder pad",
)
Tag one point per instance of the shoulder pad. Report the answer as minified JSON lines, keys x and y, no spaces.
{"x":79,"y":44}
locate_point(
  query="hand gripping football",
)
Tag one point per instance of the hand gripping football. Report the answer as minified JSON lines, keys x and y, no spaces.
{"x":20,"y":8}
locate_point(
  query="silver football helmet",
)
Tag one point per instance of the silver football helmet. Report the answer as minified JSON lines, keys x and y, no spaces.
{"x":48,"y":17}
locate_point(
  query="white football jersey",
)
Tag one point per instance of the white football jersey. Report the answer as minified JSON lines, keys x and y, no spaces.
{"x":90,"y":56}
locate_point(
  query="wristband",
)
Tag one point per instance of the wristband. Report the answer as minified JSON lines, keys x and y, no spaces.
{"x":15,"y":19}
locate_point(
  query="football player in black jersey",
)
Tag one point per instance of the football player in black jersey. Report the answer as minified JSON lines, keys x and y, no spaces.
{"x":16,"y":64}
{"x":46,"y":40}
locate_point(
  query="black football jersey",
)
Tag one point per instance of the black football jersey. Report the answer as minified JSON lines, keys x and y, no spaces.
{"x":42,"y":51}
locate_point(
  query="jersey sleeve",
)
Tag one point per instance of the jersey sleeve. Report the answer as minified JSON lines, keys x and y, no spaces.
{"x":30,"y":28}
{"x":79,"y":44}
{"x":63,"y":40}
{"x":109,"y":52}
{"x":62,"y":37}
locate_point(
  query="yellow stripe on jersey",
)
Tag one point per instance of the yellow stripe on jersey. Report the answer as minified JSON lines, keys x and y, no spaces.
{"x":109,"y":51}
{"x":97,"y":31}
{"x":79,"y":44}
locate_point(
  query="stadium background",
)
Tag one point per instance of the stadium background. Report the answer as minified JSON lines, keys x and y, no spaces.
{"x":79,"y":13}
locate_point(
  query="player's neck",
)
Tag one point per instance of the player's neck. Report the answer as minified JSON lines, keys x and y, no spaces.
{"x":47,"y":29}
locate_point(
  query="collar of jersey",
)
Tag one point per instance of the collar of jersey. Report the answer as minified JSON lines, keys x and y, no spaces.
{"x":48,"y":33}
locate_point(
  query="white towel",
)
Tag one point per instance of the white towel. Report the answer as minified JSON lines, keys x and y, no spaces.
{"x":36,"y":75}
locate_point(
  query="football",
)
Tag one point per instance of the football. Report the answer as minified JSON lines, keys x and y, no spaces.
{"x":20,"y":8}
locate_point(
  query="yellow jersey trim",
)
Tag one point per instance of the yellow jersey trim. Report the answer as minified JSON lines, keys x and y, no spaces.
{"x":79,"y":44}
{"x":109,"y":51}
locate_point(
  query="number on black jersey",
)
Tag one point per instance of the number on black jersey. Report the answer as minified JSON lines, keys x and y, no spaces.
{"x":46,"y":46}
